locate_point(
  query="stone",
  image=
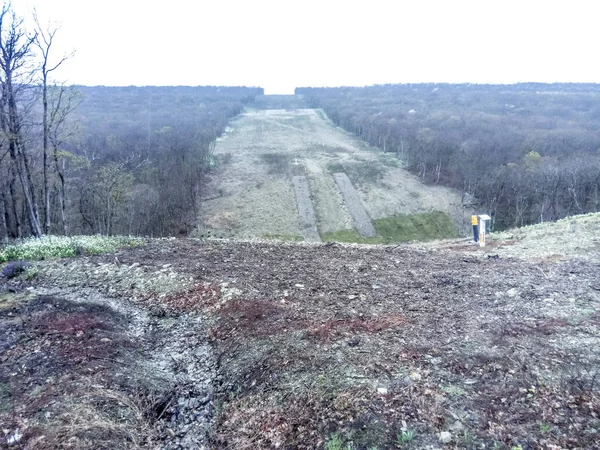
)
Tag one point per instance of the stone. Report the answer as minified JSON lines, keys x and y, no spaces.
{"x":445,"y":437}
{"x":415,"y":376}
{"x":457,"y":426}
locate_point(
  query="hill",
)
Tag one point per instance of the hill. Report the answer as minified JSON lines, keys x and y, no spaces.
{"x":308,"y":345}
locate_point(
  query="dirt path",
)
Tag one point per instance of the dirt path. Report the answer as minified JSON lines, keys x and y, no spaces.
{"x":251,"y":192}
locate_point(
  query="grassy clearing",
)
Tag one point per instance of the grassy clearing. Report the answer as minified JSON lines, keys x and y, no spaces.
{"x":335,"y":167}
{"x":360,"y":173}
{"x":62,"y":247}
{"x":403,"y":228}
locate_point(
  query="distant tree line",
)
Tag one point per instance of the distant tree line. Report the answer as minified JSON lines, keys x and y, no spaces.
{"x":526,"y":153}
{"x":104,"y":160}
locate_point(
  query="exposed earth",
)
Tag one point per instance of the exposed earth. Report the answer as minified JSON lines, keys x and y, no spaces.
{"x":232,"y":345}
{"x":251,"y":192}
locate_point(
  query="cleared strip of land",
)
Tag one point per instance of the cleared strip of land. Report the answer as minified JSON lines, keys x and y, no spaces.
{"x":250,"y":193}
{"x":306,"y":214}
{"x":362,"y":223}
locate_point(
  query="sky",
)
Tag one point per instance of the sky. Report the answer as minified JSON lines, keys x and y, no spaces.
{"x":282,"y":44}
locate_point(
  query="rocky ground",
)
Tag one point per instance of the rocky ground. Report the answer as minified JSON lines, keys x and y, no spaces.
{"x":220,"y":344}
{"x":92,"y":359}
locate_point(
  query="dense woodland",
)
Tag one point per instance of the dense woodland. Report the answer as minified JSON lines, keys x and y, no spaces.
{"x":88,"y":160}
{"x":140,"y":155}
{"x":527,"y":153}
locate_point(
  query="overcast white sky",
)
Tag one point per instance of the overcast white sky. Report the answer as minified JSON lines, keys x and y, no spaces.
{"x":287,"y":43}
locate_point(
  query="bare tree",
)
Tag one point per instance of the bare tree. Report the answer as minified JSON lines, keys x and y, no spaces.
{"x":44,"y":38}
{"x":63,"y":102}
{"x":15,"y":74}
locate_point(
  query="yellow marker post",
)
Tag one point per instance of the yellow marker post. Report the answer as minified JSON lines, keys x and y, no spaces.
{"x":475,"y":223}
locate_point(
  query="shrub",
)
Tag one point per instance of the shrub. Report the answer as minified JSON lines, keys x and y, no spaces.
{"x":61,"y":247}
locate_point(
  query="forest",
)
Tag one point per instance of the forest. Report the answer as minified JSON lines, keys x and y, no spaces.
{"x":100,"y":160}
{"x":525,"y":153}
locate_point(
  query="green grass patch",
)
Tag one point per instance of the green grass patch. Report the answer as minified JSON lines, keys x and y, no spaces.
{"x":402,"y":228}
{"x":416,"y":227}
{"x":335,"y":167}
{"x":390,"y":160}
{"x":284,"y":237}
{"x":48,"y":247}
{"x":278,"y":163}
{"x":348,"y":235}
{"x":360,"y":173}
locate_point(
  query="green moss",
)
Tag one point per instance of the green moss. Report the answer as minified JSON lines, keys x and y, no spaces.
{"x":402,"y":228}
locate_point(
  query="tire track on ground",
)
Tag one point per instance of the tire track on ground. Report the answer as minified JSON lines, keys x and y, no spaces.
{"x":362,"y":222}
{"x":307,"y":220}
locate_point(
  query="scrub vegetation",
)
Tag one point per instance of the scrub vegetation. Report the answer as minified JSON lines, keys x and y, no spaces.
{"x":63,"y":246}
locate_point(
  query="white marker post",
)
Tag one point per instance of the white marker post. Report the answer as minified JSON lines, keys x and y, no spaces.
{"x":484,"y":221}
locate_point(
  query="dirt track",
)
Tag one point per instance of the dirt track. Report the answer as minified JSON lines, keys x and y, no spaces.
{"x":251,"y":195}
{"x":306,"y":213}
{"x":318,"y":342}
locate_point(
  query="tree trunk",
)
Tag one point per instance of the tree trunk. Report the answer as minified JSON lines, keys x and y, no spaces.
{"x":45,"y":149}
{"x":62,"y":198}
{"x":12,"y":128}
{"x":4,"y":218}
{"x":13,"y":197}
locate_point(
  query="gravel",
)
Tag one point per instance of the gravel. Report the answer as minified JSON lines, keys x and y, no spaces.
{"x":362,"y":222}
{"x":306,"y":214}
